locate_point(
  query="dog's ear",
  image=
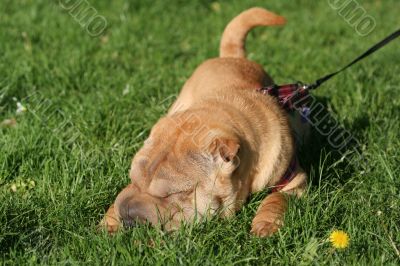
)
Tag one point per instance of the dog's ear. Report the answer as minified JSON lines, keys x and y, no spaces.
{"x":224,"y":149}
{"x":224,"y":152}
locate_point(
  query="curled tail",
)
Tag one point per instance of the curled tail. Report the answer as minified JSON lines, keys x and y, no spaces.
{"x":234,"y":36}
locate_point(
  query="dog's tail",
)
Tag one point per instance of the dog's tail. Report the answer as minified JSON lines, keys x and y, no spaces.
{"x":234,"y":36}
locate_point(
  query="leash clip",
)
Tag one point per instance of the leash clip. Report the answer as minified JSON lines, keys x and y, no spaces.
{"x":304,"y":86}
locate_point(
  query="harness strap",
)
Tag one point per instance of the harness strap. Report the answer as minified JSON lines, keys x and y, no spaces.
{"x":288,"y":176}
{"x":287,"y":95}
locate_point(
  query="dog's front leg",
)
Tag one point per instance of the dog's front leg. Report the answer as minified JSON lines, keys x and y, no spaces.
{"x":269,"y":216}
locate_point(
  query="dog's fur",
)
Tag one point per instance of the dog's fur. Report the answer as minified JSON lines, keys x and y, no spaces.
{"x":220,"y":141}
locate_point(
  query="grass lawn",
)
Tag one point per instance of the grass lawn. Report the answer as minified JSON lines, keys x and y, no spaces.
{"x":91,"y":101}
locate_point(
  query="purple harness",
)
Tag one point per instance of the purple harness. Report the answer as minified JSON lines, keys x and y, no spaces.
{"x":290,"y":96}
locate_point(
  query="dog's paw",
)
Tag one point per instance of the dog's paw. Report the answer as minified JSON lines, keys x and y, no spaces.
{"x":269,"y":216}
{"x":108,"y":226}
{"x":264,"y":228}
{"x":110,"y":223}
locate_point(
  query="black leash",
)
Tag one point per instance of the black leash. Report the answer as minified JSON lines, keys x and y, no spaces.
{"x":370,"y":51}
{"x":290,"y":95}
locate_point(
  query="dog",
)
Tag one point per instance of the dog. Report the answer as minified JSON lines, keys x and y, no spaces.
{"x":220,"y":141}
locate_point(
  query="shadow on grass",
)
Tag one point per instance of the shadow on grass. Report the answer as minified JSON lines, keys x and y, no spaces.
{"x":321,"y":161}
{"x":320,"y":156}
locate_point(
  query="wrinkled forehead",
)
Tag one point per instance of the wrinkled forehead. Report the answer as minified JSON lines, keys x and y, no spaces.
{"x":166,"y":174}
{"x":182,"y":133}
{"x":171,"y":155}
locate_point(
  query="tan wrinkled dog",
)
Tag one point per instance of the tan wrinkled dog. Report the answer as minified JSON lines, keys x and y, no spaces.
{"x":220,"y":141}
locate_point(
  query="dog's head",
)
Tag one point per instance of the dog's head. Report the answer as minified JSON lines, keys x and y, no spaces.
{"x":184,"y":170}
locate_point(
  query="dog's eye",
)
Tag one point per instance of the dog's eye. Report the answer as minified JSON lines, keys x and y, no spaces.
{"x":159,"y":188}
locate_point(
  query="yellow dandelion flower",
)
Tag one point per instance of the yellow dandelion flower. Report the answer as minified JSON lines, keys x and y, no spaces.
{"x":339,"y":239}
{"x":216,"y":7}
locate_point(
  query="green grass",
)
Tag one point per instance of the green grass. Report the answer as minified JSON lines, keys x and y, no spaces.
{"x":80,"y":132}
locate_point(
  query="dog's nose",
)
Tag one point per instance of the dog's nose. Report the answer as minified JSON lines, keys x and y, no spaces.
{"x":131,"y":207}
{"x":132,"y":214}
{"x":129,"y":223}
